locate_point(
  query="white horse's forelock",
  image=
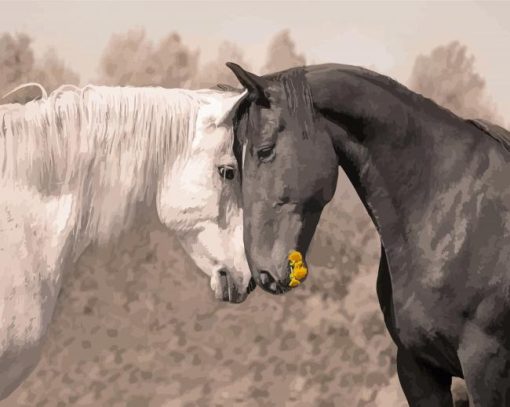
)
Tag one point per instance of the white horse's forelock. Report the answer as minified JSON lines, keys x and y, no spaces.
{"x":105,"y":145}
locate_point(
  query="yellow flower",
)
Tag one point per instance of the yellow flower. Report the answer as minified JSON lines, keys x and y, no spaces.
{"x":295,"y":256}
{"x":298,"y":270}
{"x":294,"y":282}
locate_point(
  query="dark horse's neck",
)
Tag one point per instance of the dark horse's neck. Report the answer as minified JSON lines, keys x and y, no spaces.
{"x":394,"y":157}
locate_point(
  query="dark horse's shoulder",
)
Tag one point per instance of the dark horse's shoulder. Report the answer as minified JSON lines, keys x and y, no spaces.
{"x":496,"y":132}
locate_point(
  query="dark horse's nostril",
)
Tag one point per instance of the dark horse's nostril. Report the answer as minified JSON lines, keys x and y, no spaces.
{"x":265,"y":279}
{"x":268,"y":283}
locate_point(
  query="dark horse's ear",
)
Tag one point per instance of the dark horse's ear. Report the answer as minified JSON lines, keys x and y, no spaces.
{"x":256,"y":85}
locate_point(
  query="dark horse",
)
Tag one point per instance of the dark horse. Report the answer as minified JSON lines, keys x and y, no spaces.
{"x":437,"y":188}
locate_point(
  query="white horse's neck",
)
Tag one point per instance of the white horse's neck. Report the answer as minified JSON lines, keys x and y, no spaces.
{"x":137,"y":133}
{"x":106,"y":146}
{"x":34,"y":250}
{"x":73,"y":169}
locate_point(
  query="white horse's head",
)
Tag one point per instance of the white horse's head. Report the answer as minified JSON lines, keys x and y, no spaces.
{"x":199,"y":197}
{"x":115,"y":147}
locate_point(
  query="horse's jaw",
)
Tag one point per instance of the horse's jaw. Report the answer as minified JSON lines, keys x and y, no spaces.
{"x":226,"y":281}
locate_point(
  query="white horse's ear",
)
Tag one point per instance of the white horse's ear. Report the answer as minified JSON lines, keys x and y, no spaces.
{"x":229,"y":106}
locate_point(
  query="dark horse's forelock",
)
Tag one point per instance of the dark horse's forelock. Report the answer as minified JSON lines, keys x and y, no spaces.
{"x":298,"y":96}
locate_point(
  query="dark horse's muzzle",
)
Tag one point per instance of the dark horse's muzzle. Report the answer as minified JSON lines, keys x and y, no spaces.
{"x":296,"y":272}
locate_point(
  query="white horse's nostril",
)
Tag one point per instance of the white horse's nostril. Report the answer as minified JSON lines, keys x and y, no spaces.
{"x":251,"y":285}
{"x":229,"y":289}
{"x":224,"y":285}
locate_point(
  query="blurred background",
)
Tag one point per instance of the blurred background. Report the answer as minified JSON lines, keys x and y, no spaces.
{"x":136,"y":323}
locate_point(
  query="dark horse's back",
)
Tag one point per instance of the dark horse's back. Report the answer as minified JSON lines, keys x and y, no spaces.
{"x":444,"y":280}
{"x":491,"y":237}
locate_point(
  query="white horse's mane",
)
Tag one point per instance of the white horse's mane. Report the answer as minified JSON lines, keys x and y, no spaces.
{"x":105,"y":145}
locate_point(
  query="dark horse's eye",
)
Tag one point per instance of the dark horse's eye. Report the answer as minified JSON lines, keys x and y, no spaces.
{"x":266,"y":153}
{"x":226,"y":171}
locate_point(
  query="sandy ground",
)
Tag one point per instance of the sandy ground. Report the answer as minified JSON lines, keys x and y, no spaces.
{"x":137,"y":325}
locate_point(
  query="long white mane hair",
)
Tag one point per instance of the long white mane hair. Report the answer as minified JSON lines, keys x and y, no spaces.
{"x":105,"y":145}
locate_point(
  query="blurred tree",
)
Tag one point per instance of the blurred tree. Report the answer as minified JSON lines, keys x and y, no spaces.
{"x":177,"y":65}
{"x":448,"y":76}
{"x":16,"y":59}
{"x":216,"y":72}
{"x":282,"y":54}
{"x":127,"y":60}
{"x":132,"y":59}
{"x":18,"y":65}
{"x":52,"y":72}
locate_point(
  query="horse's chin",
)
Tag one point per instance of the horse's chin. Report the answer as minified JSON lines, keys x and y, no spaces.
{"x":229,"y":292}
{"x":237,"y":300}
{"x":277,"y":288}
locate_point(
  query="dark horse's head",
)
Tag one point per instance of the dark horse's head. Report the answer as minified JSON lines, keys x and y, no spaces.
{"x":289,"y":172}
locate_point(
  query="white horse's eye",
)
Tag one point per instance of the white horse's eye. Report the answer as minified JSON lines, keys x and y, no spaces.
{"x":210,"y":122}
{"x":226,"y":172}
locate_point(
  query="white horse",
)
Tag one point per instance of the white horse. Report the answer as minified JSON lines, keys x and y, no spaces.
{"x":77,"y":165}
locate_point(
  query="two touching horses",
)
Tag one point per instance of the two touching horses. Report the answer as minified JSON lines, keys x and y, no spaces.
{"x":78,"y":165}
{"x":437,"y":188}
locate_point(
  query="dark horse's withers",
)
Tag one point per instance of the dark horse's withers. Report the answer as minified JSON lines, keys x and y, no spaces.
{"x":437,"y":188}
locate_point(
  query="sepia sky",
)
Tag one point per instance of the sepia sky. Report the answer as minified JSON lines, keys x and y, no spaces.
{"x":384,"y":35}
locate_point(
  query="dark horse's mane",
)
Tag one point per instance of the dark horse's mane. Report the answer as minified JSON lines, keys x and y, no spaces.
{"x":299,"y":100}
{"x":498,"y":133}
{"x":299,"y":96}
{"x":395,"y":88}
